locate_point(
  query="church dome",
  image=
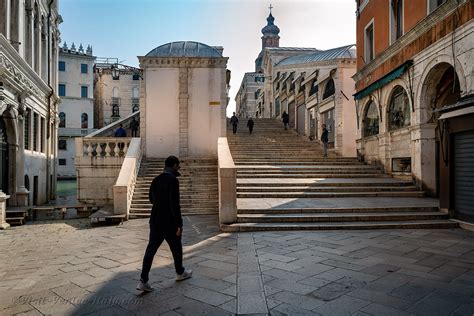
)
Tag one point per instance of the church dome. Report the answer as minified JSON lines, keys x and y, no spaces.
{"x":184,"y":49}
{"x":270,"y":28}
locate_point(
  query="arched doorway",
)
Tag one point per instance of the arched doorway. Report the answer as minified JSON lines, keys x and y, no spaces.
{"x":3,"y":157}
{"x":440,"y":88}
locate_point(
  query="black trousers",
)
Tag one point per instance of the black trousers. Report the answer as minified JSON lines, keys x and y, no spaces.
{"x":134,"y":133}
{"x":234,"y":128}
{"x":250,"y":129}
{"x":156,"y":239}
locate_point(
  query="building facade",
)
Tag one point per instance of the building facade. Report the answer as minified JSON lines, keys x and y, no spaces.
{"x":184,"y":100}
{"x":315,"y":89}
{"x":413,"y":68}
{"x":247,"y":96}
{"x":116,"y":91}
{"x":76,"y":110}
{"x":29,"y":39}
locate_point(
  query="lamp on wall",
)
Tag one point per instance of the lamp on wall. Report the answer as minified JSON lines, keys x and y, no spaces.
{"x":116,"y":70}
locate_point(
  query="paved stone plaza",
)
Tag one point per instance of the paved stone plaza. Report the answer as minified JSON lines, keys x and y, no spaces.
{"x":68,"y":268}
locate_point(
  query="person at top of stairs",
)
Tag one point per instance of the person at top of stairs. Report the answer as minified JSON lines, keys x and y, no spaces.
{"x":286,"y":119}
{"x":325,"y":140}
{"x":250,"y":124}
{"x":166,"y":222}
{"x":234,"y":121}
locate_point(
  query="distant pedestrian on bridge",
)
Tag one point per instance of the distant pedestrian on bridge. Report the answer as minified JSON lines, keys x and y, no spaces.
{"x":250,"y":124}
{"x":286,"y":119}
{"x":166,"y":222}
{"x":325,"y":140}
{"x":134,"y":125}
{"x":234,"y":121}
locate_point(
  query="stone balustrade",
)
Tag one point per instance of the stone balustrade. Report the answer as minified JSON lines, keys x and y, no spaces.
{"x":227,"y":183}
{"x":125,"y":185}
{"x":102,"y":146}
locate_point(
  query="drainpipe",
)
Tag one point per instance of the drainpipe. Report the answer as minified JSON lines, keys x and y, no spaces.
{"x":48,"y":115}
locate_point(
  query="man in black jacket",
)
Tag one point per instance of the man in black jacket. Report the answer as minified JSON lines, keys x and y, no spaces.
{"x":325,"y":140}
{"x":166,"y":222}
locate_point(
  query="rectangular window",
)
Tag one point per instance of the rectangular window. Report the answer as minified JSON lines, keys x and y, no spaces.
{"x":84,"y":92}
{"x":35,"y":132}
{"x":369,"y":42}
{"x":62,"y":144}
{"x":27,"y":129}
{"x":62,"y":66}
{"x":401,"y":164}
{"x":41,"y":135}
{"x":62,"y":162}
{"x":83,"y":68}
{"x":396,"y":20}
{"x":62,"y":90}
{"x":136,"y":77}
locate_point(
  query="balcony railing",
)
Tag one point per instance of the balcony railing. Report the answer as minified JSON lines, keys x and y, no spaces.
{"x":75,"y":132}
{"x":102,"y":146}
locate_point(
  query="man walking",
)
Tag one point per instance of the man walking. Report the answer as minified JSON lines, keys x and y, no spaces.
{"x":134,"y":124}
{"x":165,"y":222}
{"x":234,"y":121}
{"x":286,"y":119}
{"x":121,"y":132}
{"x":325,"y":140}
{"x":250,"y":125}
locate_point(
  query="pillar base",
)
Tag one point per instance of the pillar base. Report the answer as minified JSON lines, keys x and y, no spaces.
{"x":3,"y":208}
{"x":22,"y":195}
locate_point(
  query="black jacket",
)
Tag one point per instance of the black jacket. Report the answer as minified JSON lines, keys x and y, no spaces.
{"x":250,"y":123}
{"x":324,"y":136}
{"x":164,"y":195}
{"x":286,"y":118}
{"x":234,"y":120}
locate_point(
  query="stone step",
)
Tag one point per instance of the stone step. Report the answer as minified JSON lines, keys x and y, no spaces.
{"x":329,"y":194}
{"x":327,"y":189}
{"x":424,"y":224}
{"x":306,"y":171}
{"x":339,"y":217}
{"x":305,"y":168}
{"x":313,"y":175}
{"x":240,"y":163}
{"x":330,"y":210}
{"x":20,"y":220}
{"x":335,"y":182}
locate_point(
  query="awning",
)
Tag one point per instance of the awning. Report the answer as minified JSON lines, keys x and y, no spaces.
{"x":326,"y":76}
{"x":394,"y":74}
{"x":455,"y":113}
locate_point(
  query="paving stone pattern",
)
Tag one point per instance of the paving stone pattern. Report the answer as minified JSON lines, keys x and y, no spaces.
{"x":69,"y":268}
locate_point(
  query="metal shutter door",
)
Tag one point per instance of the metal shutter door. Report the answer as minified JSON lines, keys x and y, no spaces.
{"x":301,"y":119}
{"x":464,"y":175}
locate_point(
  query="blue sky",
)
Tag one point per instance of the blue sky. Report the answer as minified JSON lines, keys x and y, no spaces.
{"x":129,"y":28}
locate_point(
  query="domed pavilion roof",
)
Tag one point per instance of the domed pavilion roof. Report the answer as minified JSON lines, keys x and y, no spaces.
{"x":184,"y":49}
{"x":271,"y":28}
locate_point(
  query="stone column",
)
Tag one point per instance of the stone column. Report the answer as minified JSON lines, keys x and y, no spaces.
{"x":3,"y":209}
{"x":183,"y":112}
{"x":21,"y":192}
{"x":424,"y":157}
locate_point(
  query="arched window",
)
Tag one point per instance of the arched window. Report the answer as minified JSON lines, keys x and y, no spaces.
{"x":27,"y":182}
{"x":115,"y":92}
{"x":62,"y":119}
{"x":329,"y":90}
{"x":135,"y":93}
{"x":371,"y":120}
{"x":84,"y":120}
{"x":399,"y":109}
{"x":135,"y":108}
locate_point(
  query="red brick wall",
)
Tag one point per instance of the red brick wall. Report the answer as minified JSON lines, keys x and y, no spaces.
{"x":437,"y":32}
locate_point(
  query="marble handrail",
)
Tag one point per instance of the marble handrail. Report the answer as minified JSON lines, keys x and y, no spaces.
{"x":227,"y":183}
{"x":102,"y":146}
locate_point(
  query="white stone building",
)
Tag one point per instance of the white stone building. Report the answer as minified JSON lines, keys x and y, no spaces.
{"x":76,"y":110}
{"x":315,"y":89}
{"x":29,"y":38}
{"x":116,"y":91}
{"x":246,"y":97}
{"x":184,"y":99}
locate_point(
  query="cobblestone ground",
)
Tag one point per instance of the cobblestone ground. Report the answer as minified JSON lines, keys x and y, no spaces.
{"x":68,"y":268}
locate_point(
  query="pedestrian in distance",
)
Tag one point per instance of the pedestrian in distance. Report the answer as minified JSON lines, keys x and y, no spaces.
{"x":134,"y":125}
{"x":234,"y":121}
{"x":286,"y":119}
{"x":121,"y":132}
{"x":165,"y":222}
{"x":250,"y":124}
{"x":325,"y":140}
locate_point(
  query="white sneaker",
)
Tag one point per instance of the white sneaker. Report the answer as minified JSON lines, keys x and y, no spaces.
{"x":185,"y":275}
{"x":144,"y":286}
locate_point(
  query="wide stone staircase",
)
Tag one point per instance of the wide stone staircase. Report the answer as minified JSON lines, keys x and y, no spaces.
{"x":284,"y":183}
{"x":198,"y":186}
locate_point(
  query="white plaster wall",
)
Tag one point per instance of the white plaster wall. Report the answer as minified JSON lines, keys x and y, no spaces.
{"x":204,"y":119}
{"x":69,"y":170}
{"x":73,"y":78}
{"x":73,"y":108}
{"x":35,"y":165}
{"x":349,"y":119}
{"x":162,"y":112}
